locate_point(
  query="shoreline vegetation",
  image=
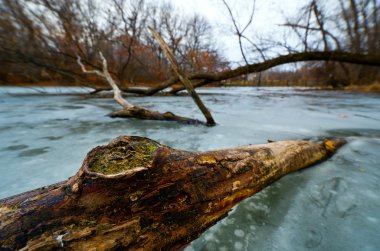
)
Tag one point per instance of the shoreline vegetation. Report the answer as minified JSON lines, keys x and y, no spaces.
{"x":368,"y":88}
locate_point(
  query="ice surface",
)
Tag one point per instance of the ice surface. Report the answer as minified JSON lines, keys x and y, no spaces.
{"x":331,"y":206}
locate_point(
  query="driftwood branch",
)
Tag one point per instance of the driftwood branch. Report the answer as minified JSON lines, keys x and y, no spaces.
{"x":106,"y":75}
{"x":181,"y":76}
{"x":138,"y":194}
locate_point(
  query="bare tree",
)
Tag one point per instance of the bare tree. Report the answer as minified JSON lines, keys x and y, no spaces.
{"x":352,"y":33}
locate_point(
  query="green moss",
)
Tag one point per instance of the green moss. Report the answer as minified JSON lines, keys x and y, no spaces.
{"x":123,"y":156}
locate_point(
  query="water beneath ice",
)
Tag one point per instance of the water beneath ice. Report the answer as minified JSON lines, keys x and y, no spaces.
{"x":332,"y":206}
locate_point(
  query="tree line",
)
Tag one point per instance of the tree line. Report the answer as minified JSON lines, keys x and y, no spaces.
{"x":338,"y":42}
{"x":41,"y":39}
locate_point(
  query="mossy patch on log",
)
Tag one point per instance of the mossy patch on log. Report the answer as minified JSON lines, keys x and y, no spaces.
{"x":123,"y":156}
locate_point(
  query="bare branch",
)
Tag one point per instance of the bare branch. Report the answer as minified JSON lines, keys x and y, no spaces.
{"x":260,"y":50}
{"x":305,"y":41}
{"x":185,"y":81}
{"x":83,"y":68}
{"x":250,"y":17}
{"x":106,"y":75}
{"x":327,"y":33}
{"x":239,"y":32}
{"x":320,"y":21}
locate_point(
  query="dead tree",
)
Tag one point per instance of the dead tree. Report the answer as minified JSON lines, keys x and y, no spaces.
{"x":129,"y":110}
{"x":138,"y":194}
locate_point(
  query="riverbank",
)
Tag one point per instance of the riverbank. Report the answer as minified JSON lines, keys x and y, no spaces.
{"x":373,"y":88}
{"x":370,"y":88}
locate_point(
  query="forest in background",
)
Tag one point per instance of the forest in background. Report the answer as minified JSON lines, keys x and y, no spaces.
{"x":40,"y":41}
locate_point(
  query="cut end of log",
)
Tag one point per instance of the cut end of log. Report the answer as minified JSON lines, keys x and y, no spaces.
{"x":123,"y":156}
{"x":332,"y":145}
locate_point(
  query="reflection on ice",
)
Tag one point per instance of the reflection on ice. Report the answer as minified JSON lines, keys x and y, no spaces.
{"x":332,"y":206}
{"x":33,"y":152}
{"x":15,"y":147}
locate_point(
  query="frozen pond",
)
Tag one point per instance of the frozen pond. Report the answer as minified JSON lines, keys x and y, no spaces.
{"x":332,"y":206}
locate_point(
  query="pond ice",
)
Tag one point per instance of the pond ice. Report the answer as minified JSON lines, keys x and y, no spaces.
{"x":331,"y":206}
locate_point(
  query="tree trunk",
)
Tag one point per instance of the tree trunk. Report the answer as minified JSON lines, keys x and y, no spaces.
{"x":137,"y":194}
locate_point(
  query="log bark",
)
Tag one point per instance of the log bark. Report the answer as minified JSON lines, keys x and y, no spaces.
{"x":138,"y":194}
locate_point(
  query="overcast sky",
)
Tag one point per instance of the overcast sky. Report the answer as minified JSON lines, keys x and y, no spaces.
{"x":268,"y":14}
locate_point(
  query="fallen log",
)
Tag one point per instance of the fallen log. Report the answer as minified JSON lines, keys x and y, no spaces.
{"x":142,"y":113}
{"x":138,"y":194}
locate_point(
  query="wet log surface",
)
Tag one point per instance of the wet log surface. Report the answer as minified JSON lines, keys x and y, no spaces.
{"x":138,"y":194}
